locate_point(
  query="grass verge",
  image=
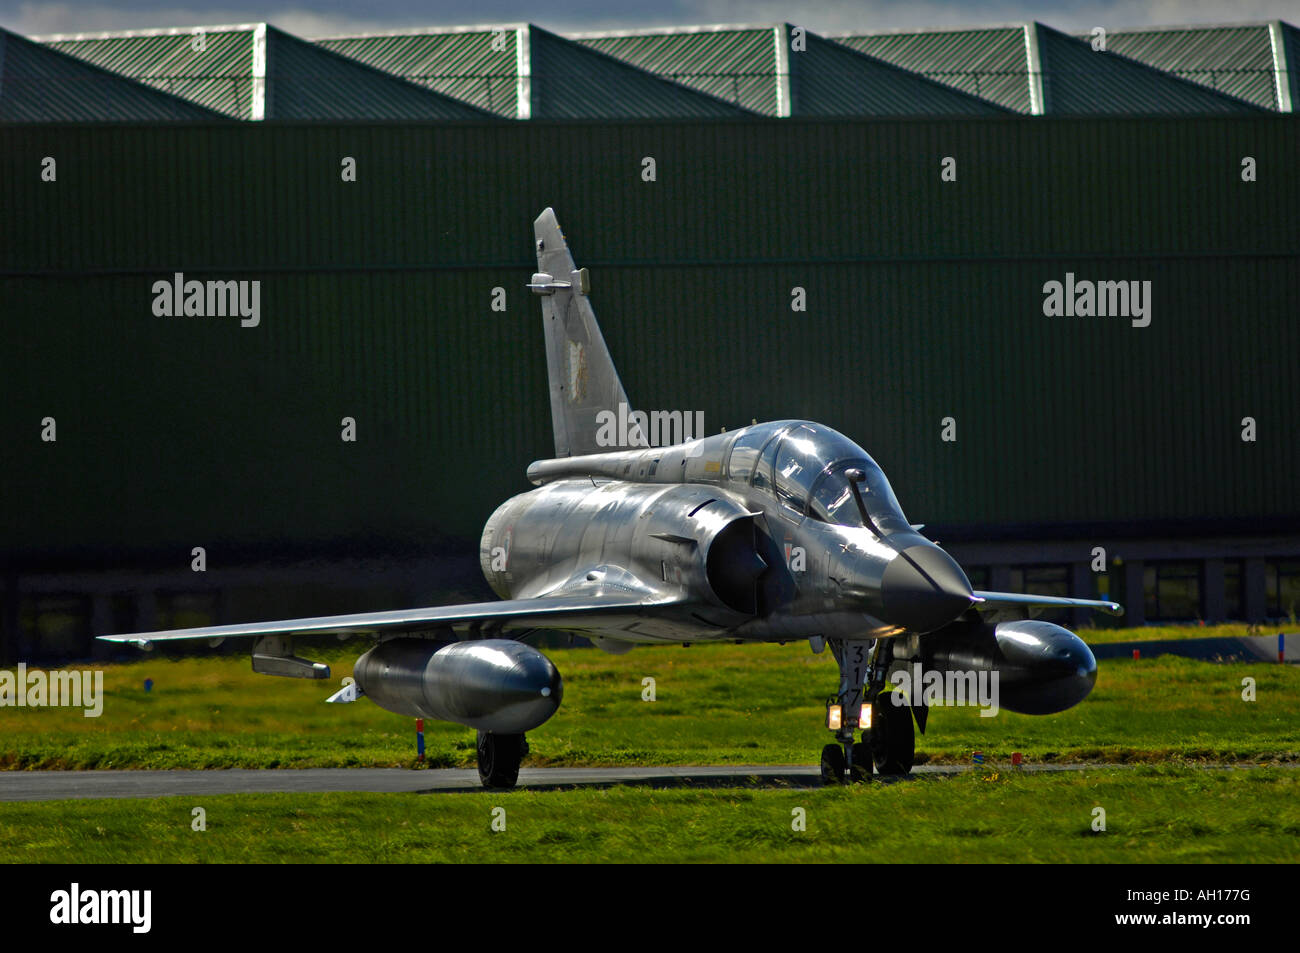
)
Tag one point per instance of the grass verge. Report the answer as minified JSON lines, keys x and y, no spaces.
{"x":1156,"y":814}
{"x":715,"y":704}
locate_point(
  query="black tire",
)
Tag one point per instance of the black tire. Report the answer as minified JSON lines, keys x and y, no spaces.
{"x":862,"y":761}
{"x":893,"y":738}
{"x":498,"y":759}
{"x":832,"y":765}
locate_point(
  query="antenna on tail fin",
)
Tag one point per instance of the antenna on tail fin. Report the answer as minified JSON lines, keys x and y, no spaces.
{"x":582,"y":378}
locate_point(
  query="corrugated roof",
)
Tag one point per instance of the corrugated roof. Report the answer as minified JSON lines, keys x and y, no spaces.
{"x":571,"y":81}
{"x":522,"y":71}
{"x":829,"y":79}
{"x":304,"y":81}
{"x":1033,"y":68}
{"x":211,"y":66}
{"x":255,"y":71}
{"x":737,"y":64}
{"x":1237,"y":60}
{"x":1078,"y":80}
{"x":475,"y":65}
{"x":42,"y":85}
{"x":989,"y":63}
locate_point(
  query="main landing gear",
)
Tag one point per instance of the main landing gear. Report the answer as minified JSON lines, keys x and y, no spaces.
{"x":888,"y":737}
{"x":499,"y":757}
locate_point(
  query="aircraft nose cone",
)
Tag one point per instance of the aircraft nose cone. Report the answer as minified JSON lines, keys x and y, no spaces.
{"x":923,"y":588}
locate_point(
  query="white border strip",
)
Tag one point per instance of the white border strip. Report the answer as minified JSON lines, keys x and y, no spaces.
{"x":523,"y":74}
{"x":424,"y":31}
{"x":1281,"y":67}
{"x":670,"y":30}
{"x":983,"y":27}
{"x":1034,"y":64}
{"x":258,"y":110}
{"x":167,"y":31}
{"x":781,"y":32}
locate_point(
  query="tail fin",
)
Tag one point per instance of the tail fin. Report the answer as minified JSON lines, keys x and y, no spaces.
{"x":583,"y":381}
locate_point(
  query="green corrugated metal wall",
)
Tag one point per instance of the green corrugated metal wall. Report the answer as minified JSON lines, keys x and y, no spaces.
{"x":924,"y":301}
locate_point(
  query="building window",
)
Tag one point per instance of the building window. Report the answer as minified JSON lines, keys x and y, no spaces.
{"x":1282,"y":588}
{"x":1043,"y":581}
{"x":1234,"y":606}
{"x":186,"y":610}
{"x":1172,"y":591}
{"x":56,"y":625}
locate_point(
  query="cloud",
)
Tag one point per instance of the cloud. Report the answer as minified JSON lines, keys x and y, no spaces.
{"x":40,"y":18}
{"x":838,"y":16}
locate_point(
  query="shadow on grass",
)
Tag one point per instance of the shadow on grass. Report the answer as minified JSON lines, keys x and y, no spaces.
{"x":775,"y":780}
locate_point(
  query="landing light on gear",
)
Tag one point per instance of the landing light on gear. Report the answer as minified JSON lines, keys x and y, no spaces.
{"x":835,"y":714}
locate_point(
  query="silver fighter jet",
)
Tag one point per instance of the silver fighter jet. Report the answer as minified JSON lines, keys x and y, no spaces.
{"x":770,"y":533}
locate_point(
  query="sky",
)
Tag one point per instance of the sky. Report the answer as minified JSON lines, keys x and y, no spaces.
{"x":325,"y":17}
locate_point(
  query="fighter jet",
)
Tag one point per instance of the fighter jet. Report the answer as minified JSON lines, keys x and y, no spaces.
{"x":774,"y":532}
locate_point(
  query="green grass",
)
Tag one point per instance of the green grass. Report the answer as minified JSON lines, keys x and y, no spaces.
{"x":716,"y":704}
{"x":1164,"y":814}
{"x":1156,"y":632}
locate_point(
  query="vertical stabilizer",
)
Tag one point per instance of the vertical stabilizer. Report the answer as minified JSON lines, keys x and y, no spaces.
{"x":583,"y":381}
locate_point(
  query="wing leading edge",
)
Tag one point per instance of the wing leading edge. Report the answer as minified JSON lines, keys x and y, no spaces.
{"x":994,"y":599}
{"x":558,"y":612}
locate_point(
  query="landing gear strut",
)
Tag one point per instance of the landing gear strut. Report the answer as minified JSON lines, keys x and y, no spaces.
{"x":845,"y":761}
{"x":888,"y":738}
{"x":498,"y":759}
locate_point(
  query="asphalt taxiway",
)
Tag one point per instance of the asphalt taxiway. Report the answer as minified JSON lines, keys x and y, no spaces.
{"x":69,"y":785}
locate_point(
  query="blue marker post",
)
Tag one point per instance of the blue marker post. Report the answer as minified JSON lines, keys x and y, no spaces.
{"x":148,"y":685}
{"x":1281,"y":647}
{"x":419,"y":740}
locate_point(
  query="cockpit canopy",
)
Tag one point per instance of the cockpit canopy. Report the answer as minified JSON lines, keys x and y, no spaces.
{"x":804,"y":464}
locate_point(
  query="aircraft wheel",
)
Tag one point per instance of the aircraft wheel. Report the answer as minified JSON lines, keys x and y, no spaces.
{"x":893,"y":739}
{"x":498,"y":759}
{"x":862,"y":761}
{"x":832,"y":765}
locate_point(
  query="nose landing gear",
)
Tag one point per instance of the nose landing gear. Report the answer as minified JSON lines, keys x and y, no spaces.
{"x":888,"y":740}
{"x":844,"y":761}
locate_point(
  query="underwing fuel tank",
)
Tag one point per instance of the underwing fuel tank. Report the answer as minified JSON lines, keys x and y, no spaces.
{"x":493,"y":685}
{"x":1042,"y":668}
